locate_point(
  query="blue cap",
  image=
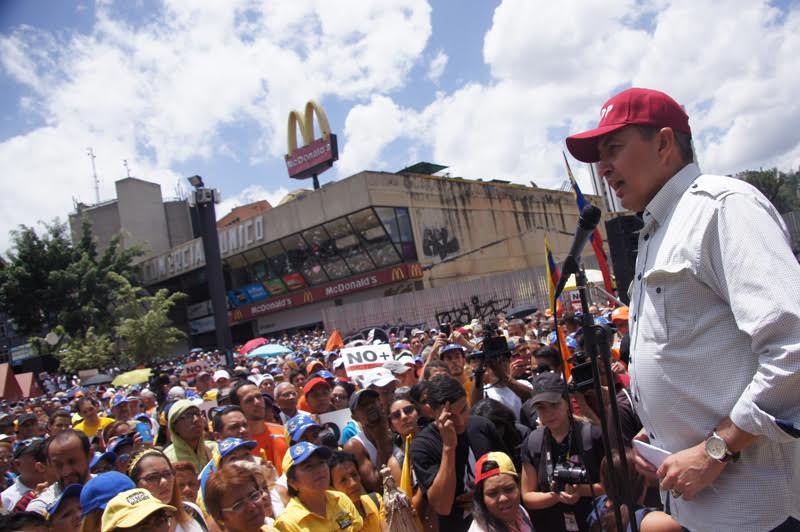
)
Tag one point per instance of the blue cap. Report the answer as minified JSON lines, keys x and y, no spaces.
{"x":571,"y":343}
{"x":325,"y":374}
{"x":300,"y":452}
{"x":228,"y":445}
{"x":276,"y":371}
{"x":297,"y":426}
{"x":125,"y":440}
{"x":451,"y":347}
{"x":73,"y":490}
{"x":100,"y":489}
{"x":108,"y":455}
{"x":118,"y":400}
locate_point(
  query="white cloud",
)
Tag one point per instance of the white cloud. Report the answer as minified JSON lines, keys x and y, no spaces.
{"x":249,"y":195}
{"x":555,"y":64}
{"x":436,"y":66}
{"x":161,"y":92}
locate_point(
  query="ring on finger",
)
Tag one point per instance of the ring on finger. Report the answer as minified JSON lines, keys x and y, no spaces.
{"x":675,"y":493}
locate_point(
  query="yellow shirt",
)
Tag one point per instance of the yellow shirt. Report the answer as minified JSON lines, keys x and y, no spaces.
{"x":340,"y":516}
{"x":91,"y":431}
{"x":372,"y":521}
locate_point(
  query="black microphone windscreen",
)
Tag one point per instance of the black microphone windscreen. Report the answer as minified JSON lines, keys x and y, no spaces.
{"x":589,"y":218}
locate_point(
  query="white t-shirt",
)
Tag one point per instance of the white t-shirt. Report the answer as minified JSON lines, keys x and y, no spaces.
{"x":13,"y":494}
{"x":506,"y":396}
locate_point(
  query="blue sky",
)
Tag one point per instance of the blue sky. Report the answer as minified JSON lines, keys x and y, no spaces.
{"x":489,"y":88}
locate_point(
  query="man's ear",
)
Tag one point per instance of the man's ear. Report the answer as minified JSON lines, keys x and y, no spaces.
{"x":666,"y":144}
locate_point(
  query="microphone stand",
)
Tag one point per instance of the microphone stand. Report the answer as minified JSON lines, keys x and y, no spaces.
{"x":595,"y":344}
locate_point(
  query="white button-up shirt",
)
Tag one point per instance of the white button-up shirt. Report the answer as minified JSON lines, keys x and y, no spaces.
{"x":715,"y":333}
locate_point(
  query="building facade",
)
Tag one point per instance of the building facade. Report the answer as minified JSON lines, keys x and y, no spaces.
{"x":140,"y":215}
{"x":373,"y":235}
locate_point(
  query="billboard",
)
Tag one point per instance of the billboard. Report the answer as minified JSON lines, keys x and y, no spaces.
{"x":316,"y":155}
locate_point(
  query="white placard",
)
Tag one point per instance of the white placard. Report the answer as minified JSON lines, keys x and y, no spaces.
{"x":362,"y":360}
{"x":340,"y":418}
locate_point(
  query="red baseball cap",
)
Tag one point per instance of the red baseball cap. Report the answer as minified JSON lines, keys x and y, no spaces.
{"x":504,"y":465}
{"x":645,"y":107}
{"x":313,"y":383}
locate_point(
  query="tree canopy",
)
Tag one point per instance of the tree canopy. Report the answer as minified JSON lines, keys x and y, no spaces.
{"x":90,"y":302}
{"x":782,"y":189}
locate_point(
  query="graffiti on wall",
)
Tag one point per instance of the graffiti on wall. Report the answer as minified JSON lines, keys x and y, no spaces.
{"x":475,"y":309}
{"x":382,"y":332}
{"x":438,"y":242}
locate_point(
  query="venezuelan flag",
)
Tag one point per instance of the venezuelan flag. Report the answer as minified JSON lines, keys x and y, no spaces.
{"x":597,"y":238}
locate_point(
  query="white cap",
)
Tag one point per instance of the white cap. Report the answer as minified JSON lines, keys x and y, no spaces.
{"x":379,"y":378}
{"x":221,"y":374}
{"x":338,"y":363}
{"x":176,"y":392}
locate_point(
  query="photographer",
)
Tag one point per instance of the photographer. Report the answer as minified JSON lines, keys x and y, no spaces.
{"x":492,"y":376}
{"x":560,"y":461}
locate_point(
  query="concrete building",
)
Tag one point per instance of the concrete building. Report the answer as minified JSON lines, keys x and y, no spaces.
{"x":140,"y":214}
{"x":370,"y":236}
{"x":243,"y":212}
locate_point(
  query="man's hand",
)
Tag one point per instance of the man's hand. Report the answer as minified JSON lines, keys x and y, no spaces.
{"x":447,"y":429}
{"x":464,"y":501}
{"x":644,"y":467}
{"x":569,"y":496}
{"x":689,"y":471}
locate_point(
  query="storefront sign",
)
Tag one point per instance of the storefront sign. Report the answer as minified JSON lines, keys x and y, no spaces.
{"x":202,"y":325}
{"x":324,"y":292}
{"x":198,"y":310}
{"x":316,"y":155}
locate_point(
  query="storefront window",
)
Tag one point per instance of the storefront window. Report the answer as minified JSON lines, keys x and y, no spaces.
{"x":276,"y":259}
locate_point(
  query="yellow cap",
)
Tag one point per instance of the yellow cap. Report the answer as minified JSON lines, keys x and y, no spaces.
{"x":130,"y":508}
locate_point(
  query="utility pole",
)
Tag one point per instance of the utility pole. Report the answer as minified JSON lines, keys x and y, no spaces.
{"x":127,"y":168}
{"x":90,"y":152}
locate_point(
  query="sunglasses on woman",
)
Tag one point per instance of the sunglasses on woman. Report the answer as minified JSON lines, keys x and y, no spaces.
{"x":407,"y":410}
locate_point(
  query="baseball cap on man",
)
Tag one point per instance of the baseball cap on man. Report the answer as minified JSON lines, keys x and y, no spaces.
{"x":300,"y":452}
{"x":73,"y":490}
{"x":504,"y":465}
{"x":298,"y":425}
{"x":228,"y":445}
{"x":221,"y":374}
{"x":356,"y":398}
{"x":634,"y":106}
{"x":29,"y":446}
{"x":130,"y":508}
{"x":313,"y":383}
{"x":548,"y":387}
{"x":98,"y":490}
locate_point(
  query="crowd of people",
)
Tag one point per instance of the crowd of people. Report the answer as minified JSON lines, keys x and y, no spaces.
{"x":202,"y":446}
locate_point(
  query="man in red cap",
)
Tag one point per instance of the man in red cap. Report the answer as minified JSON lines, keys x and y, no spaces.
{"x":715,"y":343}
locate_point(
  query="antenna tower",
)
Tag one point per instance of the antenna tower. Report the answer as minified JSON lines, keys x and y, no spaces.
{"x":90,"y":152}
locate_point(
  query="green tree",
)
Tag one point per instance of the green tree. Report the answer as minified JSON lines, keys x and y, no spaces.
{"x":46,"y":280}
{"x":779,"y":187}
{"x":144,"y":330}
{"x":91,"y":350}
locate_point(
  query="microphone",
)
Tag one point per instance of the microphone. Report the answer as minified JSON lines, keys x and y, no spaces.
{"x":587,"y":222}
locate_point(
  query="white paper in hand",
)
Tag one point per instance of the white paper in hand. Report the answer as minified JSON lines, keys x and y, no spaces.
{"x":652,"y":454}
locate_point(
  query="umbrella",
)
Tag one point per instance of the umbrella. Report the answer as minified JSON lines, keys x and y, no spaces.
{"x":137,"y":376}
{"x":252,"y":344}
{"x":268,"y":350}
{"x":592,"y":277}
{"x":100,"y":378}
{"x":196,"y":350}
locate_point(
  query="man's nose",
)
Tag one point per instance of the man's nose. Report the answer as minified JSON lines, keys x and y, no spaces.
{"x":603,"y":168}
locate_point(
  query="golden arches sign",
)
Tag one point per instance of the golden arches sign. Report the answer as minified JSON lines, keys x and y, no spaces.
{"x":305,"y":123}
{"x":315,"y":155}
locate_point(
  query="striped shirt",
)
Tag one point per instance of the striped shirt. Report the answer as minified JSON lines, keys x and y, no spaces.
{"x":715,"y":333}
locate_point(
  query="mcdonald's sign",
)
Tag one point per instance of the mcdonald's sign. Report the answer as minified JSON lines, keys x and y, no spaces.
{"x":315,"y":155}
{"x":398,"y":273}
{"x":308,"y":297}
{"x":238,"y":315}
{"x":415,"y":271}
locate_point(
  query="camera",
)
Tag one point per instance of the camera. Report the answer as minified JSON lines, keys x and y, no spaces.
{"x":444,"y":328}
{"x":494,"y":348}
{"x":582,"y":378}
{"x":564,"y":474}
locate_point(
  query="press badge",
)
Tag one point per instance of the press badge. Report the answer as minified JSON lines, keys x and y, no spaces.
{"x":570,"y":523}
{"x":344,"y":520}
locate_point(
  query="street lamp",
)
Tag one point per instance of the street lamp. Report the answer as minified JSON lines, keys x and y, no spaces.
{"x":204,"y":201}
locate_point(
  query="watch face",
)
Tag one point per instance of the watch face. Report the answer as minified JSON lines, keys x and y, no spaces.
{"x":716,"y":448}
